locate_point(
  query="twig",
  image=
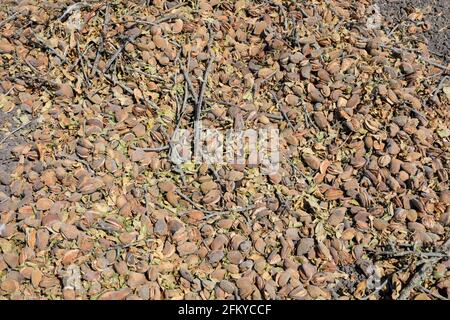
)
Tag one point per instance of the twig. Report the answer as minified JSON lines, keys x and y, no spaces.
{"x":183,"y":106}
{"x":178,"y":170}
{"x":151,"y":76}
{"x":436,"y":295}
{"x":155,"y":149}
{"x":76,"y":159}
{"x":10,"y":90}
{"x":376,"y":290}
{"x":43,"y":45}
{"x":124,"y":246}
{"x":258,"y":85}
{"x":273,"y":116}
{"x":285,"y":116}
{"x":82,"y":58}
{"x":198,"y":110}
{"x":181,"y":4}
{"x":12,"y":17}
{"x":421,"y":57}
{"x":196,"y":205}
{"x":438,"y":65}
{"x":15,"y":130}
{"x":213,"y":214}
{"x":71,"y":8}
{"x":197,"y":120}
{"x":394,"y":28}
{"x":101,"y":46}
{"x":415,"y":253}
{"x":308,"y":118}
{"x":157,"y":21}
{"x":440,"y":85}
{"x":417,"y":279}
{"x":225,"y":103}
{"x":423,"y":119}
{"x":345,"y":141}
{"x":167,"y":18}
{"x":119,"y":50}
{"x":187,"y":79}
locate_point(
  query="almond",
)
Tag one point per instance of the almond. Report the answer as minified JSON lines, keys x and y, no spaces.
{"x":312,"y":161}
{"x":212,"y":197}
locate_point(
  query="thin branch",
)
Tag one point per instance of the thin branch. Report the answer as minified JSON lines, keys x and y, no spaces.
{"x":436,"y":295}
{"x":15,"y":130}
{"x":376,"y":290}
{"x":71,"y":8}
{"x":417,"y":279}
{"x":155,"y":149}
{"x":12,"y":17}
{"x":119,"y":50}
{"x":197,"y":120}
{"x":101,"y":46}
{"x":285,"y":116}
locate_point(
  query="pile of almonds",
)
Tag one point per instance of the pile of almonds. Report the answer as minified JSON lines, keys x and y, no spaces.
{"x":94,"y":208}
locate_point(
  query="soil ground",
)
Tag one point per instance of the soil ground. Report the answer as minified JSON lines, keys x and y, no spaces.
{"x":435,"y":12}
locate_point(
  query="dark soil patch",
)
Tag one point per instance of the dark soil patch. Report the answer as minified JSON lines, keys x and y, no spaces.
{"x":9,"y":121}
{"x":435,"y":12}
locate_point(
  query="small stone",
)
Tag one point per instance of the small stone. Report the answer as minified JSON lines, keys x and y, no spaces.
{"x":136,"y":279}
{"x":275,"y":178}
{"x":380,"y":224}
{"x":311,"y":160}
{"x":337,"y":216}
{"x":215,"y":256}
{"x":44,"y":204}
{"x":235,"y":175}
{"x":187,"y":248}
{"x":212,"y":197}
{"x":5,"y":178}
{"x":304,"y":246}
{"x":259,"y":27}
{"x":139,"y":130}
{"x":316,"y":96}
{"x":160,"y":227}
{"x":6,"y":46}
{"x":9,"y":285}
{"x":309,"y":270}
{"x":235,"y":257}
{"x":177,"y":27}
{"x":116,"y":295}
{"x":69,"y":231}
{"x":160,"y":42}
{"x":292,"y":100}
{"x":320,"y":120}
{"x":265,"y":72}
{"x":65,"y":90}
{"x":407,"y":68}
{"x":227,"y":286}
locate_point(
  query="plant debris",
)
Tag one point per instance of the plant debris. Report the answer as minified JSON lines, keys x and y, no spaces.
{"x":92,"y":207}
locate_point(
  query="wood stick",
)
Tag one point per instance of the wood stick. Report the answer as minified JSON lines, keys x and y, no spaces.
{"x":436,"y":295}
{"x":101,"y":46}
{"x":119,"y":50}
{"x":68,"y":11}
{"x":285,"y":116}
{"x":417,"y":279}
{"x":15,"y":130}
{"x":12,"y":17}
{"x":197,"y":119}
